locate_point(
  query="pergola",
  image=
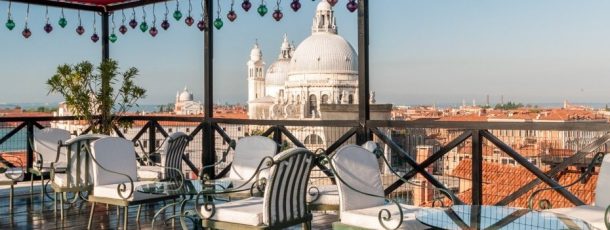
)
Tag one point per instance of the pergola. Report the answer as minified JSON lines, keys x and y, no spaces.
{"x":106,"y":8}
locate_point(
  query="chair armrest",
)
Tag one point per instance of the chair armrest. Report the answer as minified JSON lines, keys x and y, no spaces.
{"x":606,"y":216}
{"x":584,"y":176}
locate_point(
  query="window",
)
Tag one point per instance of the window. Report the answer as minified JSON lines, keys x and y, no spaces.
{"x":313,"y":105}
{"x":188,"y":130}
{"x":170,"y":130}
{"x":504,"y":161}
{"x":350,"y":99}
{"x":313,"y":139}
{"x":324,"y":99}
{"x":238,"y":129}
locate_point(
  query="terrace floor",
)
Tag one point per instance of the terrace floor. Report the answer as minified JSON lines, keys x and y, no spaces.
{"x":28,"y":213}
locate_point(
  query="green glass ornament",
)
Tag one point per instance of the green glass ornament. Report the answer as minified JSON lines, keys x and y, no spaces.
{"x":113,"y":38}
{"x":63,"y":22}
{"x":177,"y":15}
{"x":143,"y":27}
{"x":218,"y":23}
{"x":10,"y":24}
{"x":262,"y":10}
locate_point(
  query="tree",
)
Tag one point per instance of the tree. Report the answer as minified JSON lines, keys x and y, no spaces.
{"x":88,"y":94}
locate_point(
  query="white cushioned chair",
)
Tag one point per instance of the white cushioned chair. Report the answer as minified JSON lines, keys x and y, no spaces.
{"x":172,"y":149}
{"x":249,"y":151}
{"x":47,"y":155}
{"x":361,"y":193}
{"x":10,"y":177}
{"x":114,"y":177}
{"x":596,"y":213}
{"x":282,"y":205}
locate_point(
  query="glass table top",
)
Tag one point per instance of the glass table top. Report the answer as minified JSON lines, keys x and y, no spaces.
{"x":189,"y":187}
{"x":496,"y":217}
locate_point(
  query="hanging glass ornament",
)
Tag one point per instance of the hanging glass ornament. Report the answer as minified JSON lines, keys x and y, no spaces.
{"x":62,"y":21}
{"x":295,"y":5}
{"x":123,"y":28}
{"x":26,"y":31}
{"x":10,"y":24}
{"x":165,"y":23}
{"x":246,"y":5}
{"x":153,"y":30}
{"x":218,"y":23}
{"x":94,"y":37}
{"x":80,"y":30}
{"x":112,"y":38}
{"x":47,"y":27}
{"x":133,"y":23}
{"x":277,"y":14}
{"x":189,"y":19}
{"x":262,"y":9}
{"x":143,"y":25}
{"x":177,"y":14}
{"x":332,"y":2}
{"x":352,"y":5}
{"x":232,"y":15}
{"x":202,"y":25}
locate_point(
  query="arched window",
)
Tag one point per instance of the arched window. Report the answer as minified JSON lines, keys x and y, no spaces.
{"x":313,"y":139}
{"x":313,"y":104}
{"x":324,"y":99}
{"x":350,"y":99}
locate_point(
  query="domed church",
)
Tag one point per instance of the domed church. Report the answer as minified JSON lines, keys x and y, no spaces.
{"x":323,"y":69}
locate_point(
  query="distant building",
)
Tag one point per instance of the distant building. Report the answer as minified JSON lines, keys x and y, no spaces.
{"x":185,"y":105}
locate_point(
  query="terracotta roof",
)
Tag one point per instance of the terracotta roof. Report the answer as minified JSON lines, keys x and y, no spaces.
{"x":500,"y":181}
{"x":17,"y":158}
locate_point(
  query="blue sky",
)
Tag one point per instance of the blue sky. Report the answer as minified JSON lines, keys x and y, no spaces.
{"x":422,"y":51}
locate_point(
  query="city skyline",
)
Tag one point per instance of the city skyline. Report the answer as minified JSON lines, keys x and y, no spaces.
{"x":441,"y":53}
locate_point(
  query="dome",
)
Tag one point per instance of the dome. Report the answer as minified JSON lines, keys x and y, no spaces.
{"x":256,"y":54}
{"x":277,"y":73}
{"x":325,"y":53}
{"x":185,"y":95}
{"x":324,"y":6}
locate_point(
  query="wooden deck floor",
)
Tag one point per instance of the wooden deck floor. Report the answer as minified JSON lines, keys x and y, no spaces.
{"x":28,"y":213}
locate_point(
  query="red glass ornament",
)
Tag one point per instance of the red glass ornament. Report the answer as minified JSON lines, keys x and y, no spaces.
{"x":123,"y":29}
{"x":231,"y":15}
{"x":80,"y":30}
{"x":95,"y":38}
{"x":165,"y":24}
{"x":246,"y":5}
{"x":189,"y":21}
{"x":332,"y":2}
{"x":48,"y":28}
{"x":352,"y":6}
{"x":202,"y":25}
{"x":295,"y":5}
{"x":26,"y":33}
{"x":277,"y":15}
{"x":153,"y":31}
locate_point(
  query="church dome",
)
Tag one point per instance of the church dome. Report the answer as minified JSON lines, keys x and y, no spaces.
{"x":324,"y":6}
{"x":277,"y":73}
{"x":185,"y":95}
{"x":326,"y":53}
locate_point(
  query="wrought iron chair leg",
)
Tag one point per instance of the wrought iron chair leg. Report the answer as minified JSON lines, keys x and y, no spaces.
{"x":41,"y":190}
{"x":61,"y":204}
{"x":10,"y":205}
{"x":31,"y":183}
{"x":91,"y":215}
{"x":55,"y":203}
{"x":138,"y":213}
{"x":125,"y":217}
{"x":118,"y":213}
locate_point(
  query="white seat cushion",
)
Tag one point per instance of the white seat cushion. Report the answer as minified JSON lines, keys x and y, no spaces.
{"x":150,"y":172}
{"x":592,"y":214}
{"x":5,"y":180}
{"x":328,"y":195}
{"x":110,"y":191}
{"x":367,"y":217}
{"x":248,"y":211}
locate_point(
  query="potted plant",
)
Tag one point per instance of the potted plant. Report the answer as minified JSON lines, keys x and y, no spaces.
{"x":97,"y":94}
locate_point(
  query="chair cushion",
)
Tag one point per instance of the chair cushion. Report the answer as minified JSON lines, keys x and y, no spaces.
{"x":110,"y":191}
{"x":328,"y":195}
{"x":114,"y":154}
{"x":249,"y":152}
{"x":46,"y":142}
{"x":247,"y":211}
{"x":150,"y":172}
{"x":368,"y":217}
{"x":592,"y":214}
{"x":602,"y":189}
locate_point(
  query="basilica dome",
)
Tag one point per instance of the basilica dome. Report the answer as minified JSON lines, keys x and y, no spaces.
{"x":185,"y":95}
{"x":277,"y":73}
{"x":325,"y":53}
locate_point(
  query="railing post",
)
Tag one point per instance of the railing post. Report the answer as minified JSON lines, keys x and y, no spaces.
{"x":30,"y":148}
{"x":209,"y":153}
{"x":364,"y":115}
{"x":477,"y":168}
{"x":277,"y":135}
{"x":152,"y":136}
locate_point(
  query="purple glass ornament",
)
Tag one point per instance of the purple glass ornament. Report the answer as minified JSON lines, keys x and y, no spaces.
{"x":133,"y":23}
{"x":246,"y":5}
{"x":123,"y":29}
{"x":189,"y":21}
{"x":26,"y":33}
{"x":165,"y":24}
{"x":295,"y":5}
{"x":332,"y":2}
{"x":95,"y":38}
{"x":153,"y":31}
{"x":277,"y":15}
{"x":231,"y":15}
{"x":80,"y":30}
{"x":352,"y":6}
{"x":48,"y":28}
{"x":201,"y":25}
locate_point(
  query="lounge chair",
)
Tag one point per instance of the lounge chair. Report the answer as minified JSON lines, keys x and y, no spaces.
{"x":282,"y":205}
{"x":46,"y":155}
{"x":115,"y":177}
{"x":596,"y":214}
{"x":172,"y":150}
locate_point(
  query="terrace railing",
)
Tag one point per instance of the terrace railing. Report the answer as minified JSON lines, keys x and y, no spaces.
{"x":472,"y":159}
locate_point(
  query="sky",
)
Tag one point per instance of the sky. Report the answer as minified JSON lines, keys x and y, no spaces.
{"x":421,"y":51}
